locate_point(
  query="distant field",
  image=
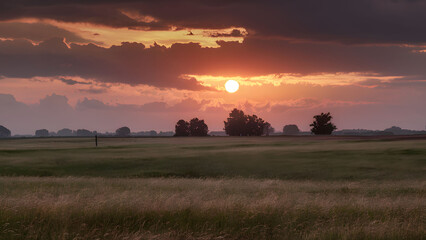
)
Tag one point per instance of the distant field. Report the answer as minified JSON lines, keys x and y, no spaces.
{"x":304,"y":158}
{"x":213,"y":188}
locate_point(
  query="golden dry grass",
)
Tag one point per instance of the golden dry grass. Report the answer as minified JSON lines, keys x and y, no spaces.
{"x":91,"y":208}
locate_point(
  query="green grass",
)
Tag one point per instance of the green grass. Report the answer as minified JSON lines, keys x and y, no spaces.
{"x":212,"y":188}
{"x":277,"y":158}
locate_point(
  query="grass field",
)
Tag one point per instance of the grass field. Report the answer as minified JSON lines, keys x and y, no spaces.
{"x":213,"y":188}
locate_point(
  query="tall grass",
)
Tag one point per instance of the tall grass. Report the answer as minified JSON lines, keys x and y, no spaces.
{"x":227,"y":188}
{"x":99,"y":208}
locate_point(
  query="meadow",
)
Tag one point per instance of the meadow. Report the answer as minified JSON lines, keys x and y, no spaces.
{"x":213,"y":188}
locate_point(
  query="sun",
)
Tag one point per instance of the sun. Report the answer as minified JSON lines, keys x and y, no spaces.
{"x":232,"y":86}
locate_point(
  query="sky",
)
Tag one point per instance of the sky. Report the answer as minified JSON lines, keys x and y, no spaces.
{"x":103,"y":64}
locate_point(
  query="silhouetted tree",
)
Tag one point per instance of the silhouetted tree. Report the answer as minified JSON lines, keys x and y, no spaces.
{"x":239,"y":124}
{"x":42,"y":133}
{"x":182,"y":128}
{"x":268,"y":129}
{"x":65,"y":132}
{"x":198,"y":127}
{"x":322,"y":124}
{"x":291,"y":129}
{"x":254,"y":126}
{"x":236,"y":123}
{"x":123,"y":132}
{"x":4,"y":132}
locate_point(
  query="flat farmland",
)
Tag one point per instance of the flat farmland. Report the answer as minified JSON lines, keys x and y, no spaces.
{"x":213,"y":188}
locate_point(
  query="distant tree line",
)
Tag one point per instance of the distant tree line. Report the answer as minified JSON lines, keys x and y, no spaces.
{"x":154,"y":133}
{"x":237,"y":124}
{"x":240,"y":124}
{"x":65,"y":132}
{"x":388,"y":131}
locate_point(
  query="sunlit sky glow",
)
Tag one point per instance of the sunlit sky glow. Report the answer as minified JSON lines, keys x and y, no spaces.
{"x":101,"y":65}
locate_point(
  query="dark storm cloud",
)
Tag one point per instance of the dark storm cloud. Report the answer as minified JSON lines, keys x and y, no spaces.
{"x":354,"y":21}
{"x":37,"y":32}
{"x":129,"y":63}
{"x":164,"y":67}
{"x":107,"y":13}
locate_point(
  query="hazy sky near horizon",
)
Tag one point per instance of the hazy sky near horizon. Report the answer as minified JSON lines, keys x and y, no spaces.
{"x":103,"y":64}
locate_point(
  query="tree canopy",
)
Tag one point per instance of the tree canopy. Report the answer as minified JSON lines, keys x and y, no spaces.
{"x":239,"y":124}
{"x":182,"y":128}
{"x":268,"y":129}
{"x":198,"y":127}
{"x":291,"y":129}
{"x":195,"y":127}
{"x":85,"y":133}
{"x":42,"y":133}
{"x":236,"y":123}
{"x":322,"y":124}
{"x":65,"y":132}
{"x":123,"y":132}
{"x":4,"y":132}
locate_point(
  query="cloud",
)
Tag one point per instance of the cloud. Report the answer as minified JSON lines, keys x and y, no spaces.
{"x":54,"y":103}
{"x":185,"y":105}
{"x":88,"y":104}
{"x":9,"y":104}
{"x":69,"y":81}
{"x":129,"y":63}
{"x":154,"y":107}
{"x":93,"y":90}
{"x":163,"y":67}
{"x":304,"y":103}
{"x":349,"y":22}
{"x":54,"y":112}
{"x":410,"y":81}
{"x":98,"y":12}
{"x":233,"y":33}
{"x":37,"y":32}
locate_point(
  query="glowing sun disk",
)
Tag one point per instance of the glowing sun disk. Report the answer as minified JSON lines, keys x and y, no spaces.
{"x":231,"y":86}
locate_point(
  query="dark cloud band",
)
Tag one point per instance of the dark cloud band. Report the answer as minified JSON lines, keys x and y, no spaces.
{"x":163,"y":67}
{"x":349,"y":22}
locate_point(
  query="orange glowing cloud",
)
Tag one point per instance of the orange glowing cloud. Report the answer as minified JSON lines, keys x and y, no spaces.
{"x":107,"y":36}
